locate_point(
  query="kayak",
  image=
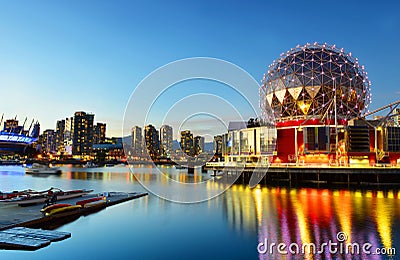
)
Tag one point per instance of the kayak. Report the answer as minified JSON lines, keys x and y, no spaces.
{"x":54,"y":206}
{"x":62,"y":210}
{"x":95,"y":204}
{"x":84,"y":202}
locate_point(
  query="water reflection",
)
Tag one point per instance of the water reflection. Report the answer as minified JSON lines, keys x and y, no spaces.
{"x":277,"y":214}
{"x":313,"y":216}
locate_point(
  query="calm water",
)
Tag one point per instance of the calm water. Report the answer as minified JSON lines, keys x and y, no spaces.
{"x":227,"y":227}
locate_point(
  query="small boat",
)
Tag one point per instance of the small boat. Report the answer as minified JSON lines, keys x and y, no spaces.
{"x":90,"y":164}
{"x":56,"y":211}
{"x":30,"y":198}
{"x":42,"y":169}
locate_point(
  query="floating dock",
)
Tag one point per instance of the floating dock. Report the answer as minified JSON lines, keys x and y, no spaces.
{"x":29,"y":239}
{"x":14,"y":218}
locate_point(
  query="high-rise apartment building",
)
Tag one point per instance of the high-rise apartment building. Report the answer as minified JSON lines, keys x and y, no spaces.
{"x":68,"y":135}
{"x":99,"y":133}
{"x":49,"y":141}
{"x":166,"y":135}
{"x":218,"y":145}
{"x":187,"y":142}
{"x":198,"y":145}
{"x":137,"y":141}
{"x":82,"y":142}
{"x":60,"y":129}
{"x":152,"y":141}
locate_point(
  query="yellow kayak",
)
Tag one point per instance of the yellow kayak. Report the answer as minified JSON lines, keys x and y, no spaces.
{"x":62,"y":210}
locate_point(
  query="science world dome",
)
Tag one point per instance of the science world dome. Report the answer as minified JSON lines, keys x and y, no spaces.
{"x":304,"y":81}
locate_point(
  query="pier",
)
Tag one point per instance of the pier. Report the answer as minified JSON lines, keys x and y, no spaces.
{"x":13,"y":216}
{"x":350,"y":176}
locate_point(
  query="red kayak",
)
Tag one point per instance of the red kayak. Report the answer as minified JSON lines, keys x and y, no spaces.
{"x":83,"y":202}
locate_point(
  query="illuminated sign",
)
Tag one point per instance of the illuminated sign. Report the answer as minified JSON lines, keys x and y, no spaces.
{"x":7,"y":137}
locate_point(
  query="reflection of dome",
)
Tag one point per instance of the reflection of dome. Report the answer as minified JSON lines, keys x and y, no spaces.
{"x":302,"y":84}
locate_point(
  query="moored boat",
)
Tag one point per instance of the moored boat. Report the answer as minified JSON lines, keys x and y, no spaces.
{"x":42,"y":169}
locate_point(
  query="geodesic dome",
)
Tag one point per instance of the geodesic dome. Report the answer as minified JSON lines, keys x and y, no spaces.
{"x":303,"y":82}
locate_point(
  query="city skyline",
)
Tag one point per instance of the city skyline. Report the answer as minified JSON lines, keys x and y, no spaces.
{"x":93,"y":62}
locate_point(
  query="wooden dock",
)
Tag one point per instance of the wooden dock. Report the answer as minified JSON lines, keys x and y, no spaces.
{"x":14,"y":217}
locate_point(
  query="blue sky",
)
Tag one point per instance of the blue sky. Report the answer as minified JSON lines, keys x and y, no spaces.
{"x":57,"y":57}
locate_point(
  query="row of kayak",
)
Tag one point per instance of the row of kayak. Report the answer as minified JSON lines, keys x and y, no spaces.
{"x":62,"y":208}
{"x":30,"y":197}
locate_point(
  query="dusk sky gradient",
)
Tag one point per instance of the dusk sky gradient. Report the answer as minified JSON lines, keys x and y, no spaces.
{"x":57,"y":57}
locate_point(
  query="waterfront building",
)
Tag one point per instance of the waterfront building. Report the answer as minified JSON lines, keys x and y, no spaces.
{"x":187,"y":142}
{"x":166,"y":135}
{"x":246,"y":143}
{"x":99,"y":133}
{"x":82,"y":141}
{"x":60,"y":129}
{"x":109,"y":150}
{"x":137,"y":141}
{"x":49,"y":141}
{"x":317,"y":98}
{"x":152,"y":141}
{"x":198,"y":145}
